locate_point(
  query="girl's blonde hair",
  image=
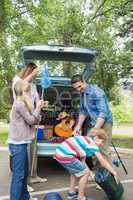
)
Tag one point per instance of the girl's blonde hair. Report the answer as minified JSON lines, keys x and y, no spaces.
{"x":20,"y":87}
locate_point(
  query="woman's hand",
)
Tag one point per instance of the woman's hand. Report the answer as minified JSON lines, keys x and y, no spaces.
{"x":35,"y":72}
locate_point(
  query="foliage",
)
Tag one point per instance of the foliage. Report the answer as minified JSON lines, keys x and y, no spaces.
{"x":115,"y":96}
{"x":121,"y":114}
{"x":3,"y":136}
{"x":102,"y":25}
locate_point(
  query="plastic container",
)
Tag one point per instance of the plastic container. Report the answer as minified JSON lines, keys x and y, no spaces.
{"x":52,"y":196}
{"x":107,"y":182}
{"x":40,"y":134}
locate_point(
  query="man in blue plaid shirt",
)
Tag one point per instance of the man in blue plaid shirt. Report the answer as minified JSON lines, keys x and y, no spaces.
{"x":93,"y":104}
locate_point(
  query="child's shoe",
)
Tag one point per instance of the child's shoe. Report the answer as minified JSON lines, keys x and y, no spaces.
{"x":37,"y":179}
{"x":31,"y":198}
{"x":30,"y":189}
{"x":91,"y":178}
{"x":72,"y":195}
{"x":86,"y":198}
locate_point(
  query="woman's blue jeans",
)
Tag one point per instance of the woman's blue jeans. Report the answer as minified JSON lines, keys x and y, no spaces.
{"x":18,"y":189}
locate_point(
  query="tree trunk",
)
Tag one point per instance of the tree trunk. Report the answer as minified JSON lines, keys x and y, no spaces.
{"x":4,"y":50}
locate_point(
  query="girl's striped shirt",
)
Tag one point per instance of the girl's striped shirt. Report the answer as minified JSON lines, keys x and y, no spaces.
{"x":75,"y":147}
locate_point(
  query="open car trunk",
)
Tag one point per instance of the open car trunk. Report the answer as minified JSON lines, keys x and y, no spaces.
{"x":61,"y":99}
{"x":62,"y":62}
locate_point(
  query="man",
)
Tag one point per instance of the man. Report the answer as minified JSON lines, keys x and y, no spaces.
{"x":93,"y":104}
{"x":71,"y":155}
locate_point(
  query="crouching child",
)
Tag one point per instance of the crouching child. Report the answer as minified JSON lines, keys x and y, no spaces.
{"x":71,"y":155}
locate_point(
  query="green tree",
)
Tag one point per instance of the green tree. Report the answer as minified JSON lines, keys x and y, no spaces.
{"x":98,"y":24}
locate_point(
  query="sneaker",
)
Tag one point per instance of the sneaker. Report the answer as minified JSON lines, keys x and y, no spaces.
{"x":86,"y":198}
{"x":72,"y":195}
{"x":37,"y":179}
{"x":33,"y":198}
{"x":91,"y":178}
{"x":30,"y":189}
{"x":98,"y":187}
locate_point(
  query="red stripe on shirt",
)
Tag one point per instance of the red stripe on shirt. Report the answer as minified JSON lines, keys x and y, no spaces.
{"x":87,"y":140}
{"x":64,"y":159}
{"x":73,"y":148}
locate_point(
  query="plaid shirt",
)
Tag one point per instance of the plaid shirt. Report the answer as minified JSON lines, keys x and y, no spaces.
{"x":93,"y":103}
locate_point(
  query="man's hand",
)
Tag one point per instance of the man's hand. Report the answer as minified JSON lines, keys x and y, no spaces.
{"x":93,"y":132}
{"x":76,"y":130}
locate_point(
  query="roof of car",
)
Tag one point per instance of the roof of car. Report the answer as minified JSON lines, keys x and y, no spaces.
{"x":58,"y":52}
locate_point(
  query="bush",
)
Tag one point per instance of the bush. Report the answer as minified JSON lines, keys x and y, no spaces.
{"x":121,"y":114}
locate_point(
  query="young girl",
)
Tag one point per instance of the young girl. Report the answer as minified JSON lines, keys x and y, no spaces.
{"x":21,"y":132}
{"x":29,"y":73}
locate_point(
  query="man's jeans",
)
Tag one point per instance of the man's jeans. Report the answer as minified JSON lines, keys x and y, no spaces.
{"x":18,"y":189}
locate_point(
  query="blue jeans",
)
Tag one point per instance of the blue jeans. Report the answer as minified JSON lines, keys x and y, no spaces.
{"x":18,"y":189}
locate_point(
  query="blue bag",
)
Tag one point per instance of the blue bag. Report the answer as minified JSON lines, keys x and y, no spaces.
{"x":52,"y":196}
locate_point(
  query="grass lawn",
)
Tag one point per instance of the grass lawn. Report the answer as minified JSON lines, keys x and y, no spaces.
{"x":123,"y":141}
{"x":3,"y":136}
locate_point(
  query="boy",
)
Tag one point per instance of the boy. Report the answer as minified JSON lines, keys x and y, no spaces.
{"x":71,"y":155}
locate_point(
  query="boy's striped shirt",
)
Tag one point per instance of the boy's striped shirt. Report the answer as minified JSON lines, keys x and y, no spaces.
{"x":75,"y":147}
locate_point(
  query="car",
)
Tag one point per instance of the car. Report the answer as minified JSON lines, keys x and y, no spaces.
{"x":126,"y":83}
{"x":62,"y":62}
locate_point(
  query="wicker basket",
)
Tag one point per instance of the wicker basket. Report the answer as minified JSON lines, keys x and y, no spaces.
{"x":48,"y":131}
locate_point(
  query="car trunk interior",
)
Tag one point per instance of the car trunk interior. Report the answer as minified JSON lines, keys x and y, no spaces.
{"x":61,"y":99}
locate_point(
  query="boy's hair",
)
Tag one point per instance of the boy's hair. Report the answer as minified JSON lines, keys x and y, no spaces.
{"x":101,"y":134}
{"x":76,"y":78}
{"x":21,"y":86}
